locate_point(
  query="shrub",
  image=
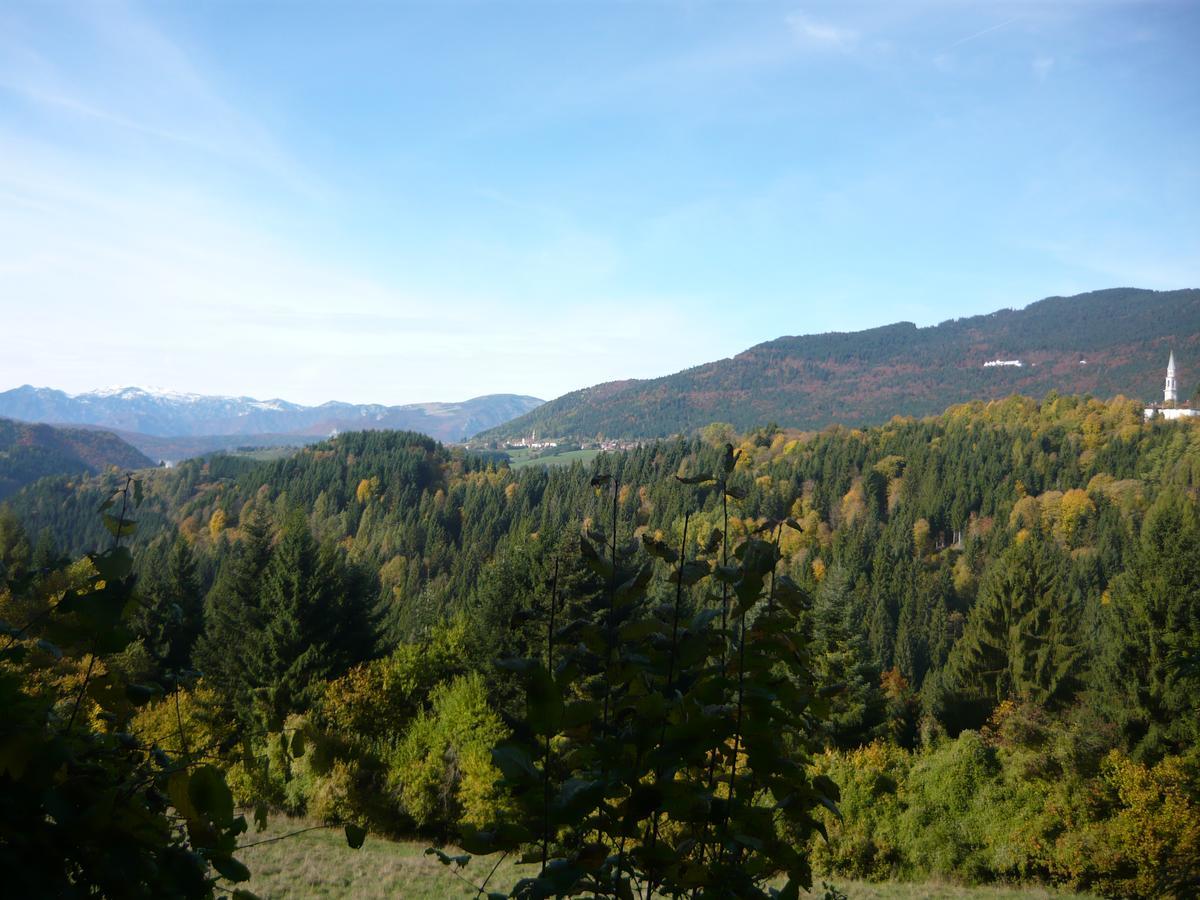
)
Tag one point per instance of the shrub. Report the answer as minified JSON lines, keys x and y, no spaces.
{"x":441,"y":771}
{"x":372,"y":704}
{"x":192,"y":711}
{"x":864,"y":842}
{"x":1143,"y":837}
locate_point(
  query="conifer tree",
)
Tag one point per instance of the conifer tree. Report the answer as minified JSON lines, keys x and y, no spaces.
{"x":1150,"y":627}
{"x":841,"y":660}
{"x":1020,"y":638}
{"x":45,"y":551}
{"x":231,"y":616}
{"x":313,"y":623}
{"x":171,"y":616}
{"x":14,"y":543}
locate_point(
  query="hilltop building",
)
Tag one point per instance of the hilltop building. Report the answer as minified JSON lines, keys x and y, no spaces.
{"x":1171,"y":408}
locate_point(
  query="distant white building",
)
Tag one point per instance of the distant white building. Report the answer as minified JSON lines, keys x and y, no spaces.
{"x":1015,"y":363}
{"x":1170,"y":407}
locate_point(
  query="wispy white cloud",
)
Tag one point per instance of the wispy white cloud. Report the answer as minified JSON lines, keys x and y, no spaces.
{"x":127,"y":277}
{"x":812,"y":32}
{"x":128,"y":81}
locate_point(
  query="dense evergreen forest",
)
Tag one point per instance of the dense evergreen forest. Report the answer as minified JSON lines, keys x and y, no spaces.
{"x":1000,"y":605}
{"x":1102,"y":343}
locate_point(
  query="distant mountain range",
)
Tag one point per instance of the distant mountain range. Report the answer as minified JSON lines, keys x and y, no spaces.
{"x":142,"y":416}
{"x":1102,"y":343}
{"x":29,"y":452}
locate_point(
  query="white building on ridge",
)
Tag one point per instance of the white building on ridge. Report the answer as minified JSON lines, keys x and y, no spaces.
{"x":1170,"y":407}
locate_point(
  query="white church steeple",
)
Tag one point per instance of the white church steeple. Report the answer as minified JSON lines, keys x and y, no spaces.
{"x":1170,"y":409}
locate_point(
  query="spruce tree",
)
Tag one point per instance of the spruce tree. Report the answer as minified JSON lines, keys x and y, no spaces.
{"x":1020,"y":639}
{"x":313,"y":624}
{"x":231,"y":616}
{"x":14,"y":544}
{"x":841,"y":661}
{"x":171,"y":614}
{"x":1150,"y":629}
{"x":45,"y":552}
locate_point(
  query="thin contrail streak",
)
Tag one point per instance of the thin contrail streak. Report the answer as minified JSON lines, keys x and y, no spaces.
{"x":977,"y":34}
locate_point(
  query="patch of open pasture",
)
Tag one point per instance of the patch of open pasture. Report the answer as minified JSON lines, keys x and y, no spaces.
{"x":318,"y":864}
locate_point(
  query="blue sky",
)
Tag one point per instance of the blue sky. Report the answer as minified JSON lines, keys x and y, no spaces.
{"x":396,"y":202}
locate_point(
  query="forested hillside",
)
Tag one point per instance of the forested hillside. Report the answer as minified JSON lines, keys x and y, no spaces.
{"x":1103,"y":343}
{"x":1001,"y":605}
{"x":29,"y":452}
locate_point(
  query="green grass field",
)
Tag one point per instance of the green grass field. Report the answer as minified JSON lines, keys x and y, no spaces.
{"x":520,"y":458}
{"x":266,"y":454}
{"x":319,"y":864}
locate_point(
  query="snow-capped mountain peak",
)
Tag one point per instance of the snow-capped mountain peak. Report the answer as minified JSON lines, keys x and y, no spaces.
{"x":167,"y":413}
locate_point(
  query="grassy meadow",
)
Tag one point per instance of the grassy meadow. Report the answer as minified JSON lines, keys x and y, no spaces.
{"x":520,"y":458}
{"x":319,"y":864}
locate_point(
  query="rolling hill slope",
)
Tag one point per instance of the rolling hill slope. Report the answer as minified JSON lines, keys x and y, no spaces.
{"x":1102,"y":343}
{"x":29,"y":452}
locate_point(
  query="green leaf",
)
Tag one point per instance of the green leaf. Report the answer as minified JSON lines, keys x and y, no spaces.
{"x":635,"y":588}
{"x":243,"y":894}
{"x":231,"y":868}
{"x":730,"y":458}
{"x":580,"y":713}
{"x":713,"y":542}
{"x":210,"y":794}
{"x":659,"y":549}
{"x":695,"y":479}
{"x":119,"y":527}
{"x":747,"y":840}
{"x":640,"y":628}
{"x":446,"y":859}
{"x":143,"y":693}
{"x":594,"y":560}
{"x":591,"y":856}
{"x":297,"y":748}
{"x":137,"y":492}
{"x":577,"y":798}
{"x":727,"y":574}
{"x":480,"y":843}
{"x":515,"y":763}
{"x":544,"y":702}
{"x":114,"y":564}
{"x":689,"y":573}
{"x":15,"y":753}
{"x":600,"y":480}
{"x":14,"y":654}
{"x":522,"y":665}
{"x":355,"y":835}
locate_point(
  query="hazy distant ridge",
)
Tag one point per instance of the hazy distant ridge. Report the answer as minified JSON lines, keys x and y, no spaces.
{"x":165,"y":414}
